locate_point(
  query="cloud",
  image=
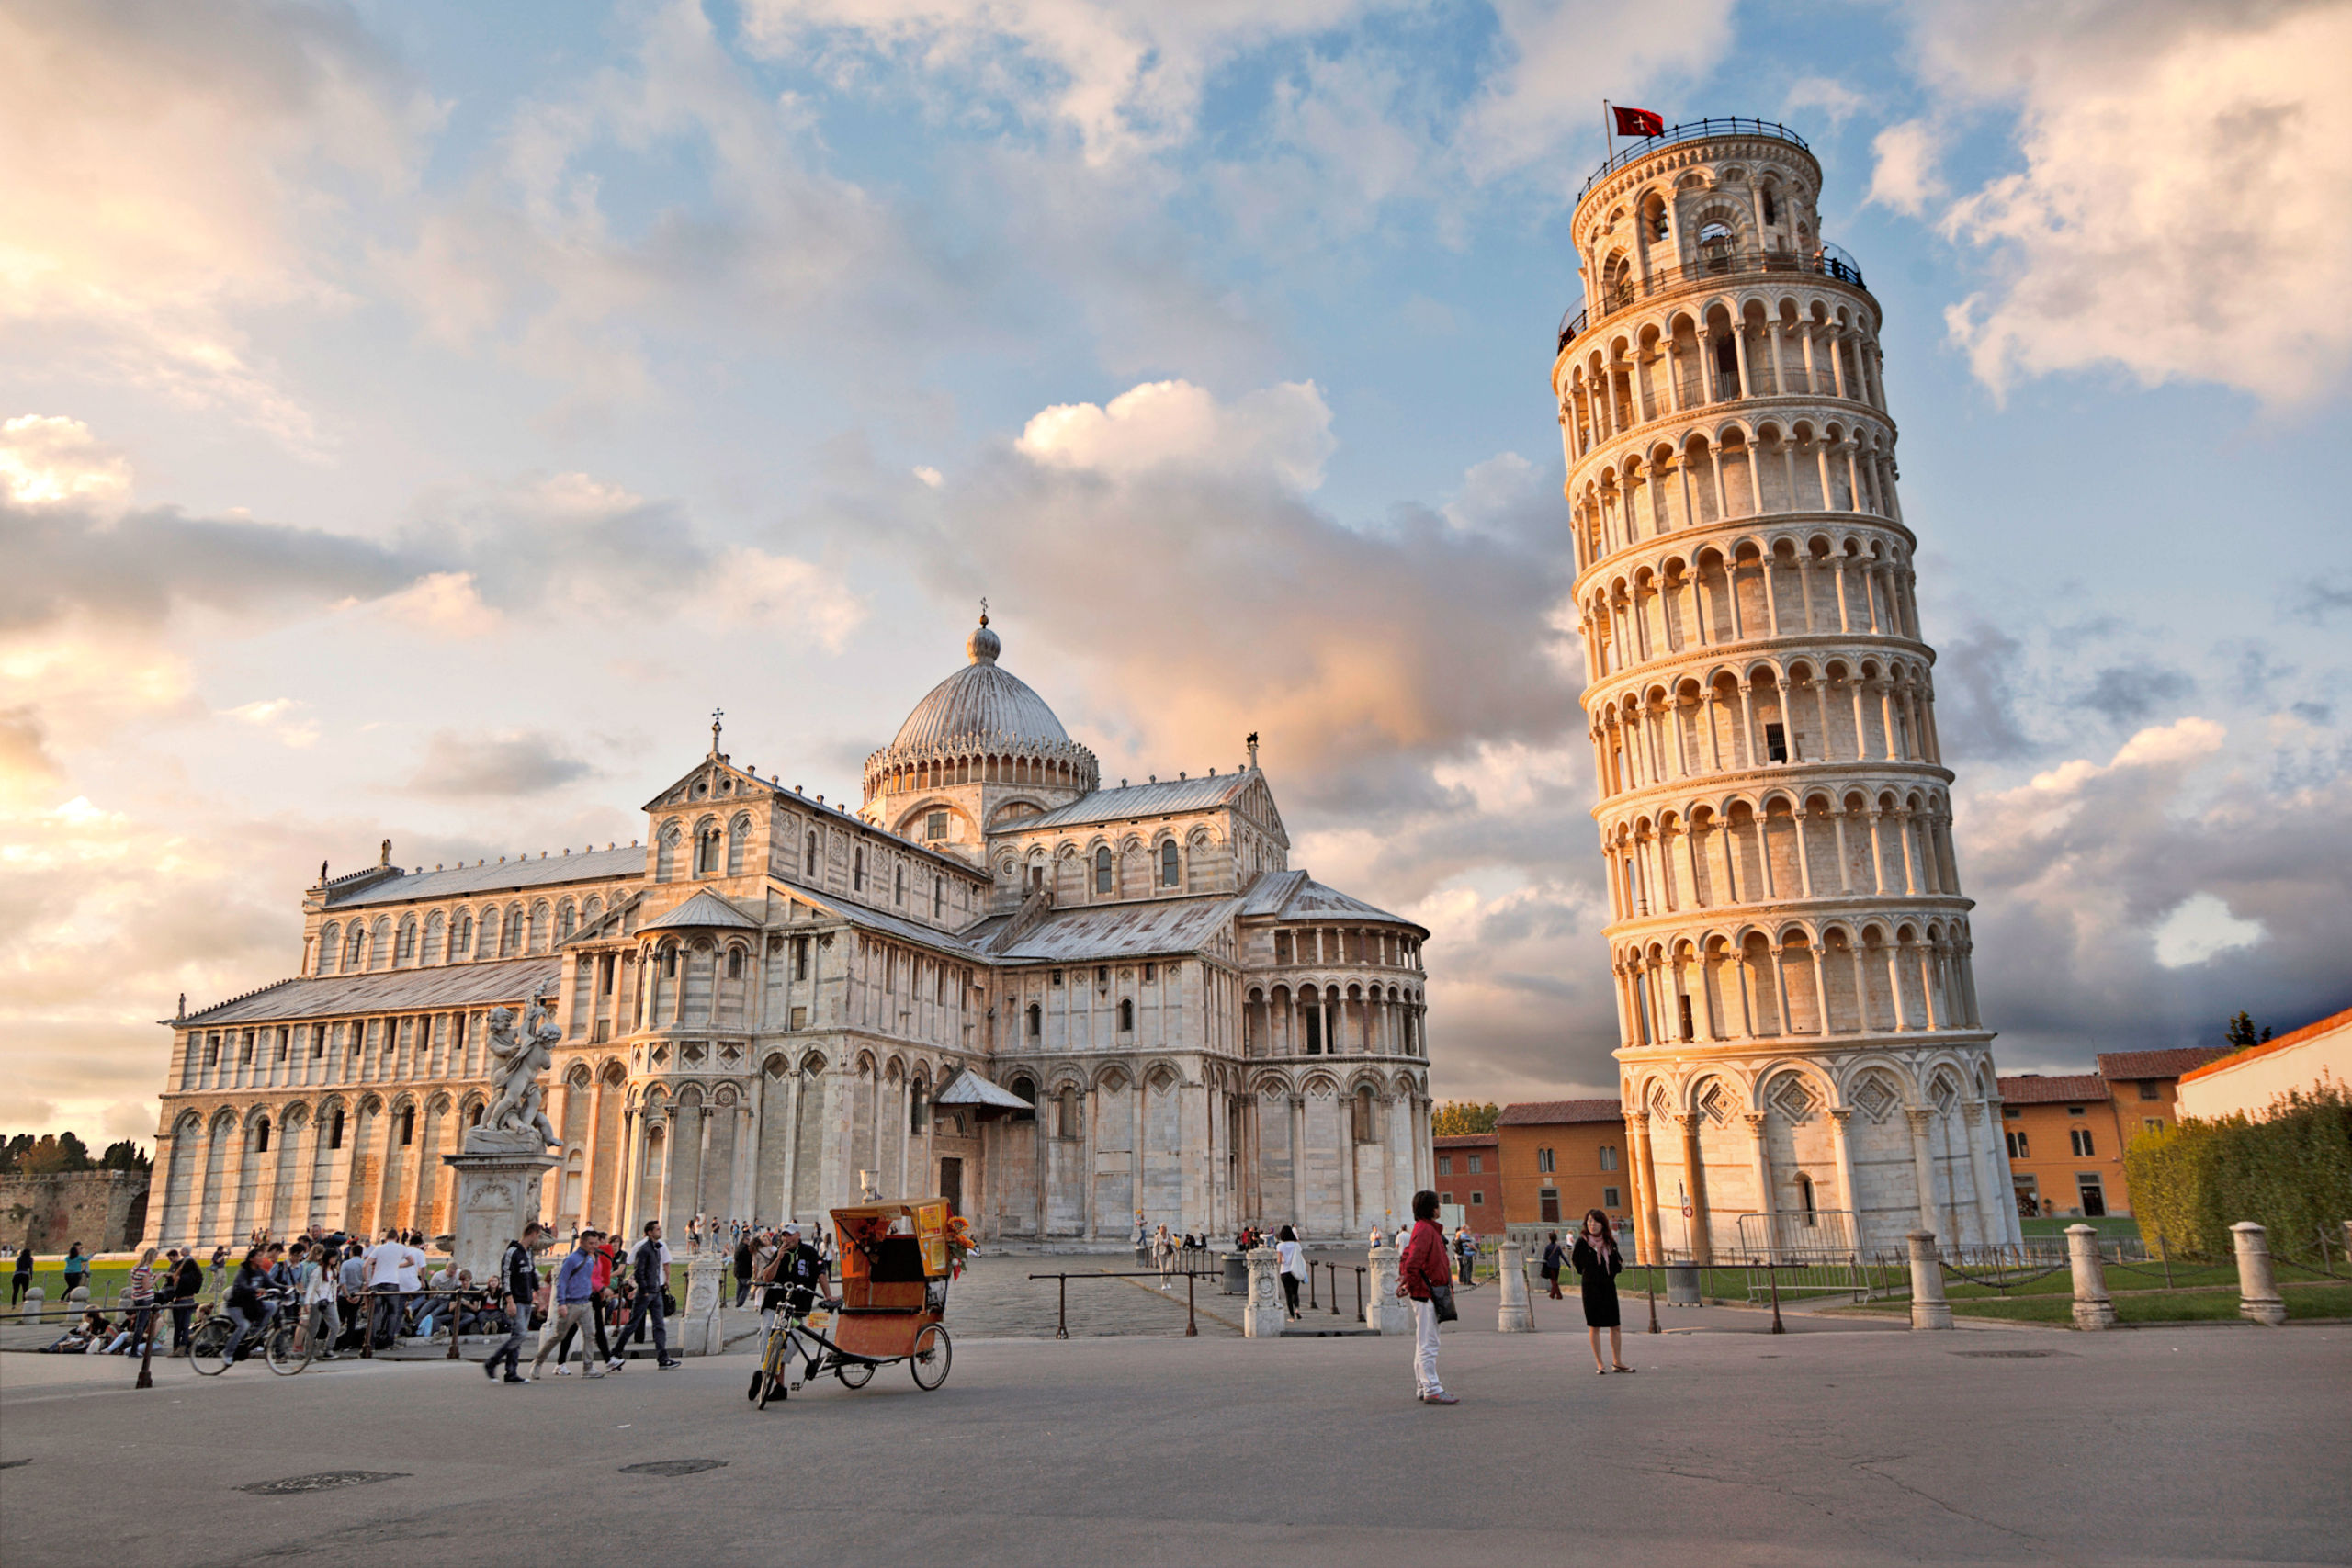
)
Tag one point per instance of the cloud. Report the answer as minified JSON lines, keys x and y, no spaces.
{"x":165,"y":168}
{"x":517,"y":763}
{"x":1125,"y":77}
{"x":445,"y":604}
{"x":1903,"y":176}
{"x":27,"y":767}
{"x":1282,"y":431}
{"x":1831,"y":99}
{"x":2179,"y":211}
{"x":48,"y":459}
{"x":2128,"y":693}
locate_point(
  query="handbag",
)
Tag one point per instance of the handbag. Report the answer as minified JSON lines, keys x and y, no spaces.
{"x":1442,"y":1298}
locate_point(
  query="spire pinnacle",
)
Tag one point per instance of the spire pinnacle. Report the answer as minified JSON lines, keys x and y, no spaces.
{"x":715,"y":715}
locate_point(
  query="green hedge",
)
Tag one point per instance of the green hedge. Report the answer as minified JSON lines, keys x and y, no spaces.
{"x":2290,"y":1172}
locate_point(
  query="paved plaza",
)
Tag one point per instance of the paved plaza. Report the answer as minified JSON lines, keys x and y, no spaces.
{"x":1838,"y":1443}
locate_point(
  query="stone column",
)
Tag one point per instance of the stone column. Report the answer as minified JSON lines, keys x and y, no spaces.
{"x":1760,"y":1155}
{"x":2258,"y":1296}
{"x":1694,"y":1175}
{"x":1923,"y":1162}
{"x":625,"y":1197}
{"x":1263,"y":1314}
{"x":1515,"y":1314}
{"x":1842,"y":1143}
{"x":1298,"y":1161}
{"x":1384,"y":1310}
{"x":1646,"y":1161}
{"x":2093,"y":1307}
{"x":588,"y":1151}
{"x":792,"y":1091}
{"x":1135,"y":1142}
{"x":1928,"y":1307}
{"x":1990,"y":1228}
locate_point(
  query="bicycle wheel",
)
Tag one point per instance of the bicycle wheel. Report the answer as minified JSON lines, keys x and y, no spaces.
{"x":208,"y":1348}
{"x":855,"y":1374}
{"x":934,"y":1354}
{"x":290,"y":1349}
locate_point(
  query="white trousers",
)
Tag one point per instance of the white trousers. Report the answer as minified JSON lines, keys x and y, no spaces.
{"x":1425,"y":1350}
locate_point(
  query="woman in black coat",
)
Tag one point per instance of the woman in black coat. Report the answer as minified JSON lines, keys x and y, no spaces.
{"x":1597,"y":1265}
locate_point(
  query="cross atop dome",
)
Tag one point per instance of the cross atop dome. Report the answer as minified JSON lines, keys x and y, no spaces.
{"x":983,"y":646}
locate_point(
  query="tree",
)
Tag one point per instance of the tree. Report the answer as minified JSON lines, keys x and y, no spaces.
{"x":54,"y":1154}
{"x":1456,"y":1117}
{"x":124,"y":1155}
{"x":12,"y":1158}
{"x":2240,"y":1033}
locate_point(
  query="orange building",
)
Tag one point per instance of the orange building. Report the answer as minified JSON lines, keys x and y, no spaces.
{"x":2066,"y":1135}
{"x":1561,"y":1158}
{"x":1469,"y":1172}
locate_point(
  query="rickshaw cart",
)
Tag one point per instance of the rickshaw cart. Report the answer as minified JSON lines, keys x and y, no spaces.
{"x":894,"y":1275}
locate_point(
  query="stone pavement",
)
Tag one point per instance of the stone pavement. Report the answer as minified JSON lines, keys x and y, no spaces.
{"x":1863,"y":1445}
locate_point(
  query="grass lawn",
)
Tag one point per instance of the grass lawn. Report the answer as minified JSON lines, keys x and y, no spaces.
{"x":2210,"y":1305}
{"x":2110,"y":1227}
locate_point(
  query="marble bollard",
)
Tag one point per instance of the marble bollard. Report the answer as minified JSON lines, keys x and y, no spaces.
{"x":1384,"y":1311}
{"x":697,"y":1331}
{"x":2093,"y":1307}
{"x":2258,"y":1298}
{"x":1263,"y":1314}
{"x":78,"y":1297}
{"x":34,"y":1298}
{"x":1516,"y":1313}
{"x":1929,"y":1308}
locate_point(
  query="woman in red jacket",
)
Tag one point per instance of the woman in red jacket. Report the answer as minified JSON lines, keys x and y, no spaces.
{"x":1422,"y":1271}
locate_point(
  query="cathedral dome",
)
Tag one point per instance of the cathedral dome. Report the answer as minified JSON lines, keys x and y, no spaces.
{"x":981,"y":724}
{"x":979,"y":704}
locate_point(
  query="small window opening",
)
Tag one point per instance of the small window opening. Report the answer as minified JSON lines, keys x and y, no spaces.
{"x":1103,"y":871}
{"x":1776,"y":742}
{"x":1168,"y":864}
{"x":936,"y":825}
{"x":1126,"y":1016}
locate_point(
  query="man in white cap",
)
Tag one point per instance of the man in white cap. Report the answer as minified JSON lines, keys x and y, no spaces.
{"x":793,"y":1281}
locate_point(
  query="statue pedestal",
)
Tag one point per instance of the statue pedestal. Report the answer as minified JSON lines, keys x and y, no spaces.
{"x":498,"y":1194}
{"x":1264,"y":1313}
{"x":696,"y":1331}
{"x":1384,"y":1310}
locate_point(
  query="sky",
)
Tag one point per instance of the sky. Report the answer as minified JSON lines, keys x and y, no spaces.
{"x":415,"y":418}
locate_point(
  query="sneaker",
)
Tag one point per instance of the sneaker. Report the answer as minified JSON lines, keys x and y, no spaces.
{"x":561,"y":1371}
{"x":596,"y":1375}
{"x":615,"y":1364}
{"x":1440,"y":1397}
{"x":671,"y":1366}
{"x":533,"y":1377}
{"x":512,"y":1377}
{"x":490,"y":1369}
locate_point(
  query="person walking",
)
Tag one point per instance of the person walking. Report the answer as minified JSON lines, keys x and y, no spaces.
{"x":77,"y":1270}
{"x":1293,"y":1260}
{"x":1466,"y":1249}
{"x":1598,"y":1266}
{"x":600,"y":1275}
{"x":650,"y":1269}
{"x":1554,"y":1261}
{"x":520,"y":1280}
{"x":575,"y":1287}
{"x":186,"y":1283}
{"x":23,"y":1280}
{"x":742,"y":1266}
{"x":1423,"y":1279}
{"x":139,"y":1297}
{"x":219,"y":1270}
{"x":1163,"y":1254}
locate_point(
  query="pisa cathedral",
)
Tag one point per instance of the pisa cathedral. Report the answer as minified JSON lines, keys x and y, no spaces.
{"x":1053,"y":1002}
{"x":1801,"y":1058}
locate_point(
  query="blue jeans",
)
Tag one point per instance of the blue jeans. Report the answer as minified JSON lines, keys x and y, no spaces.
{"x":650,"y":1302}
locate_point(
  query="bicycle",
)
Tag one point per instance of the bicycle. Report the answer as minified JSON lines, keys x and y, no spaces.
{"x":770,"y":1381}
{"x":212,"y":1348}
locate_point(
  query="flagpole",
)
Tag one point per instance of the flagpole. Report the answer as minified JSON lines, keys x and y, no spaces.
{"x":1608,"y":128}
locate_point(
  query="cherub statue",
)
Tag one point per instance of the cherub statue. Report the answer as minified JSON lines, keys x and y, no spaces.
{"x":517,"y":1060}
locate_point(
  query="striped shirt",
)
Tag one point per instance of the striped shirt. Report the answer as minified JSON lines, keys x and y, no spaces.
{"x":139,"y":1290}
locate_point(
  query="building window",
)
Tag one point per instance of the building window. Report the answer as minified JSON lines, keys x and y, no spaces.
{"x":808,"y":860}
{"x":1477,"y":1164}
{"x":335,"y":1129}
{"x":2150,"y":1090}
{"x":1544,"y":1161}
{"x":1067,"y":1117}
{"x":212,"y":1050}
{"x":1103,"y":871}
{"x":318,"y":1041}
{"x":1776,"y":743}
{"x":1445,"y":1198}
{"x":1168,"y":867}
{"x":918,"y":1108}
{"x":408,"y":1125}
{"x":800,"y":958}
{"x":2152,"y":1123}
{"x":899,"y":890}
{"x":261,"y":1136}
{"x":1057,"y":977}
{"x":669,"y":963}
{"x":1477,"y":1200}
{"x":1126,"y":1016}
{"x":1365,"y":1124}
{"x":2019,"y":1146}
{"x":1608,"y":1157}
{"x":1804,"y":1199}
{"x":2010,"y":1112}
{"x":1025,"y":1089}
{"x":1548,"y":1202}
{"x":1281,"y":947}
{"x":734,"y":962}
{"x":1446,"y":1167}
{"x":857,"y":871}
{"x":938,"y":896}
{"x":799,"y":1017}
{"x":2080,"y":1138}
{"x":1610,"y":1198}
{"x":1037,"y":1020}
{"x":2074,"y":1111}
{"x":936,"y":825}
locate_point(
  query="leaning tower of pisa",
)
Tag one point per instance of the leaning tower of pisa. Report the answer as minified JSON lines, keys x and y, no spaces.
{"x":1801,"y":1063}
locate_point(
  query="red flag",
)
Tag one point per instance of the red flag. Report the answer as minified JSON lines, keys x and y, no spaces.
{"x":1639,"y":122}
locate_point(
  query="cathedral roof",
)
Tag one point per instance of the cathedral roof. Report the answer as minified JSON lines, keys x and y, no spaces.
{"x":704,"y":911}
{"x":1162,"y":797}
{"x":1295,"y":896}
{"x":979,"y":703}
{"x":388,"y":991}
{"x":592,"y":865}
{"x":1111,"y":931}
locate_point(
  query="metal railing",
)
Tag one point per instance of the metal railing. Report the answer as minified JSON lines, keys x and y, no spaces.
{"x":1061,"y":1307}
{"x":1691,"y":130}
{"x":1827,"y":261}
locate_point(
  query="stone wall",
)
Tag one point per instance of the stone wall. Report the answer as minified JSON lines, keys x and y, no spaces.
{"x":103,"y":1209}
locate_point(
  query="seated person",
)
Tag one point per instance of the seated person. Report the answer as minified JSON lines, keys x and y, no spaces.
{"x":76,"y":1340}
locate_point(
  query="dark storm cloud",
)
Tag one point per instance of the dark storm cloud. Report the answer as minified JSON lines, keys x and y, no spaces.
{"x":1975,"y":699}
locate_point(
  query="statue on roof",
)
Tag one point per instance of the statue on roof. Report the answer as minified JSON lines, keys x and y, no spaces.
{"x":516,"y":1120}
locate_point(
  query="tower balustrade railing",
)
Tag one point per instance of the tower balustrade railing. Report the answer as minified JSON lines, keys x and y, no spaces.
{"x":1691,"y":130}
{"x":1825,"y":261}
